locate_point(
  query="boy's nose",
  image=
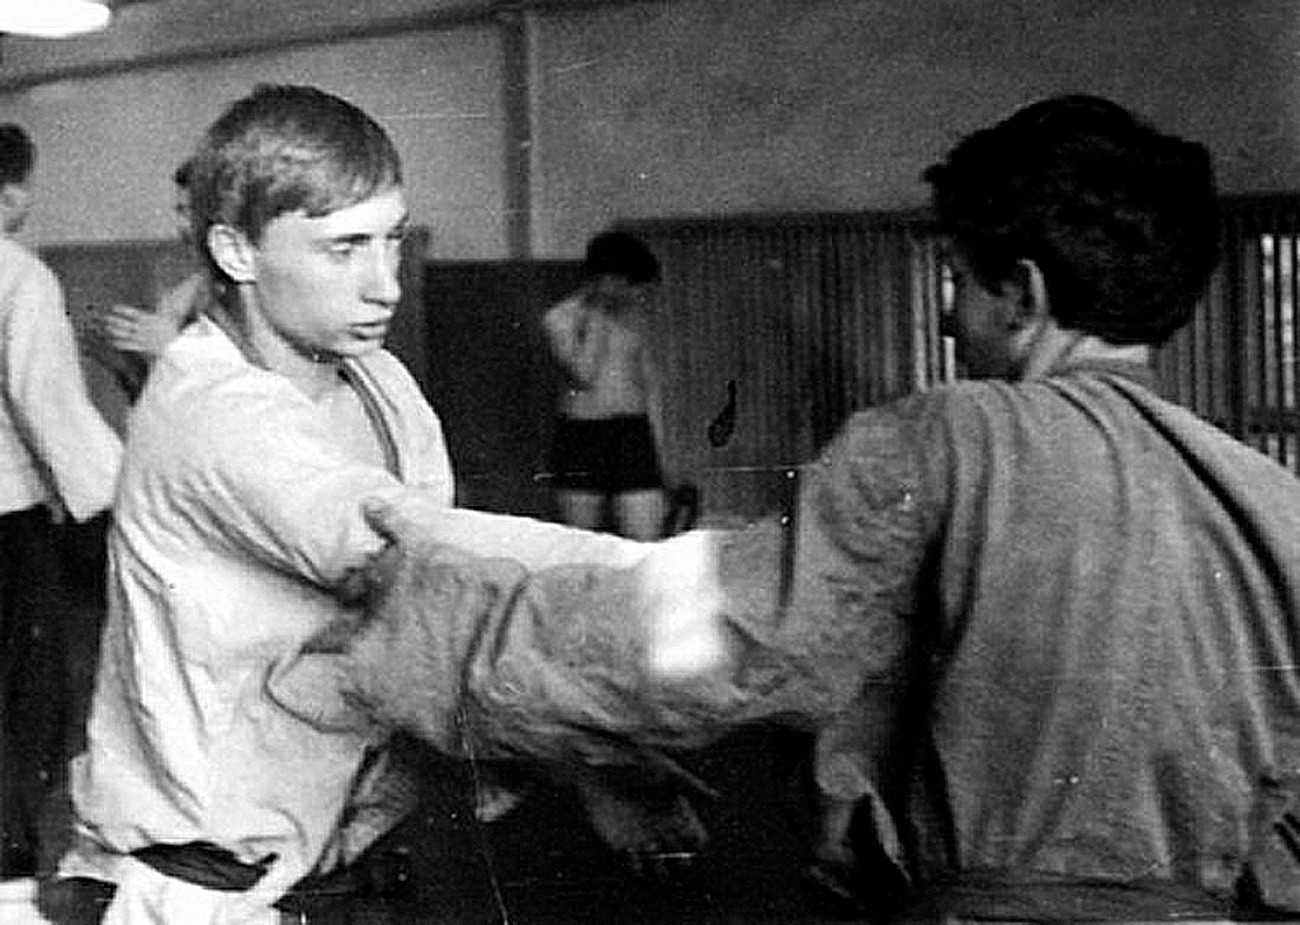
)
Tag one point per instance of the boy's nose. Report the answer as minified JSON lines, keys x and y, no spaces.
{"x":382,"y":282}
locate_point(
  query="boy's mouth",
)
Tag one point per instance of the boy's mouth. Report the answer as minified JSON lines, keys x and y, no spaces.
{"x":370,"y":329}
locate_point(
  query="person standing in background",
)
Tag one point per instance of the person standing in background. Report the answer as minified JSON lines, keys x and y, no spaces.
{"x":59,"y":459}
{"x":605,"y":456}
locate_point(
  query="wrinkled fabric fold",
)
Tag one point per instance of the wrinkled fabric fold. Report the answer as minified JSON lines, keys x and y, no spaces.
{"x":552,"y":664}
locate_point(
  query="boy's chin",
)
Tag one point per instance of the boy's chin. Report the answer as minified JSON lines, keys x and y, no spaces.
{"x":358,"y":346}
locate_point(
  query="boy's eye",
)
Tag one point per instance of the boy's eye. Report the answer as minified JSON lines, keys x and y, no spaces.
{"x":347,"y":247}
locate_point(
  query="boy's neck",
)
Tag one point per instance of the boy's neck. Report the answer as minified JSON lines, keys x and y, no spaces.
{"x":313,"y":373}
{"x":315,"y":376}
{"x":1055,"y":348}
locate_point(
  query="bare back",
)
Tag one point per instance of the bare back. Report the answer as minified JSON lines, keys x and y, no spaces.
{"x":603,"y":354}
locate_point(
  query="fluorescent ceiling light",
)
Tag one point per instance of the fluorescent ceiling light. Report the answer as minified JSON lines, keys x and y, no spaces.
{"x":52,"y":19}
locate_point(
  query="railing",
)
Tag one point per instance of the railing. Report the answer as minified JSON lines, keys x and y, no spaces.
{"x":1236,"y":363}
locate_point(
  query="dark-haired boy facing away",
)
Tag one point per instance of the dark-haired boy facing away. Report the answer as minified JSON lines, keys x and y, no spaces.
{"x":1055,"y":614}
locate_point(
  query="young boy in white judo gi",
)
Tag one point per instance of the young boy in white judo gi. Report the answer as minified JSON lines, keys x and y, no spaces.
{"x":261,"y":432}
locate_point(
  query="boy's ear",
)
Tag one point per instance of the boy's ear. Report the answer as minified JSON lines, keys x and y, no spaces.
{"x":10,"y":196}
{"x":605,"y":286}
{"x":1029,"y":293}
{"x":232,"y":252}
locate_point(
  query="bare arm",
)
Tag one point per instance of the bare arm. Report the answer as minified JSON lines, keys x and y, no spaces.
{"x":178,"y":303}
{"x":654,"y":397}
{"x":137,"y":330}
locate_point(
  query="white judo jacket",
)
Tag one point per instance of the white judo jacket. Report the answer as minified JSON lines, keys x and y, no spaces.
{"x":239,"y":508}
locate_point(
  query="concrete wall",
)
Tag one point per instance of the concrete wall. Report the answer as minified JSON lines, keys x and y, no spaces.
{"x":641,"y":109}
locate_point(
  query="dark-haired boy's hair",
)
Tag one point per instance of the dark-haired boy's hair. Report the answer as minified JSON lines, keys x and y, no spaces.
{"x":17,"y":154}
{"x":285,"y":149}
{"x":619,"y":253}
{"x":1121,"y":219}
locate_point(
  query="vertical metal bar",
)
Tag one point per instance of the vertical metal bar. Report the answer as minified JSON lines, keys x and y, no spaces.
{"x":827,"y":376}
{"x":810,"y":258}
{"x":1241,"y":250}
{"x":1187,"y":349}
{"x":1260,"y":325}
{"x":862,"y":259}
{"x":893,"y":255}
{"x":791,"y":257}
{"x":1215,"y":383}
{"x":1206,"y":370}
{"x":857,"y":259}
{"x":918,"y":310}
{"x":1259,"y":410}
{"x":832,"y":345}
{"x":861,"y":307}
{"x":1288,"y":351}
{"x":880,"y":298}
{"x":1275,"y":344}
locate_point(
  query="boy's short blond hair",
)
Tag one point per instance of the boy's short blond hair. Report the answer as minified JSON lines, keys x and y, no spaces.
{"x":285,"y":149}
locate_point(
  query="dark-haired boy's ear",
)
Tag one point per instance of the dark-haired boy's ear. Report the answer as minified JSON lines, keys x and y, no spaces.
{"x":232,"y":252}
{"x":11,"y":196}
{"x":1029,"y":293}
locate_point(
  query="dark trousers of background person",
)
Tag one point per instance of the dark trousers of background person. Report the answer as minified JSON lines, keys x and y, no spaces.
{"x":51,"y":597}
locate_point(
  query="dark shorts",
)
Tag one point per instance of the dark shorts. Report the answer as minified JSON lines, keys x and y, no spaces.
{"x":605,"y":455}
